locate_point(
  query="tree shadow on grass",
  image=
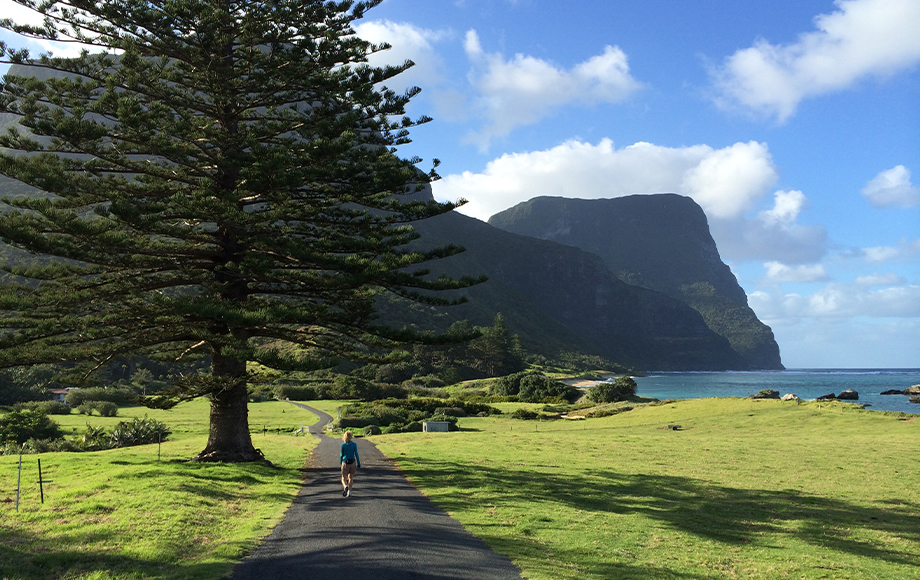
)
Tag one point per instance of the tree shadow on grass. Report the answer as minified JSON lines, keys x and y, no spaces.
{"x":728,"y":515}
{"x":27,"y":557}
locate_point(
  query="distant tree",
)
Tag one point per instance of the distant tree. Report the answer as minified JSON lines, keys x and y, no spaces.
{"x":497,"y":352}
{"x":617,"y":390}
{"x":223,"y":180}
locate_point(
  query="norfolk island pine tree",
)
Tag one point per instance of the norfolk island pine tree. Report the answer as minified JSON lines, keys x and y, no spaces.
{"x":223,"y":179}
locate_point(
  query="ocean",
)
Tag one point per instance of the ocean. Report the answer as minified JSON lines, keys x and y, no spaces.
{"x":806,"y":383}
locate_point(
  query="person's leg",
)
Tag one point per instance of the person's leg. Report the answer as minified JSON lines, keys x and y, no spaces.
{"x":345,"y":474}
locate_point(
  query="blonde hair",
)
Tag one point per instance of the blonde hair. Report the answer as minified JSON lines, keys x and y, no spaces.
{"x":347,"y":436}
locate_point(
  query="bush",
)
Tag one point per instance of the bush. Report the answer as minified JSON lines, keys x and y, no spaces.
{"x":452,"y":411}
{"x":107,"y":408}
{"x":391,"y":429}
{"x":413,"y":427}
{"x":525,"y":414}
{"x":533,"y":387}
{"x":537,"y":388}
{"x":372,"y":430}
{"x":294,"y":392}
{"x":609,"y":392}
{"x":48,"y":445}
{"x":120,"y":395}
{"x":45,"y":407}
{"x":94,"y":439}
{"x":20,"y":426}
{"x":138,"y":432}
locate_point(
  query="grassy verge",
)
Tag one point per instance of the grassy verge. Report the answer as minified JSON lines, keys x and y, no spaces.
{"x":746,"y":489}
{"x":124,"y":514}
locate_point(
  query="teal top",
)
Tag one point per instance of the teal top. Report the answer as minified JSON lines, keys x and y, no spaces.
{"x":350,"y":451}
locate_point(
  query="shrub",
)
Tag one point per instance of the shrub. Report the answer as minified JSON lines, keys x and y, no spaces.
{"x":107,"y":408}
{"x":610,"y":392}
{"x":45,"y":407}
{"x":372,"y":430}
{"x":413,"y":427}
{"x":537,"y":388}
{"x":452,"y":411}
{"x":525,"y":414}
{"x":391,"y":429}
{"x":294,"y":392}
{"x":138,"y":432}
{"x":120,"y":395}
{"x":48,"y":445}
{"x":86,"y":408}
{"x":94,"y":439}
{"x":20,"y":426}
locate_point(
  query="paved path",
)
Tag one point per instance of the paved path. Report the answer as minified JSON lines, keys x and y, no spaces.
{"x":386,"y":530}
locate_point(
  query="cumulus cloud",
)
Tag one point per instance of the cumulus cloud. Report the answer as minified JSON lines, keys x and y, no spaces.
{"x":408,"y":42}
{"x":779,"y":272}
{"x":892,"y":188}
{"x":861,"y":38}
{"x":839,"y":301}
{"x":887,"y":279}
{"x":774,"y":234}
{"x":905,"y":251}
{"x":524,"y":89}
{"x":725,"y":182}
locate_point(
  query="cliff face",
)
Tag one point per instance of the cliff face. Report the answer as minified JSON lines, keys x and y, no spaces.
{"x":563,"y":298}
{"x":659,"y":242}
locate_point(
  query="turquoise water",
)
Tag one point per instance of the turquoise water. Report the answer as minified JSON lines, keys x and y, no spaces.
{"x":806,"y":383}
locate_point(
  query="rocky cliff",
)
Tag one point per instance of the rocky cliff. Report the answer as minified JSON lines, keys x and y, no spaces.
{"x":658,"y":242}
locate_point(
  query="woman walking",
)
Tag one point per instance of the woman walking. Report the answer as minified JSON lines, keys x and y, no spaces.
{"x":350,"y":463}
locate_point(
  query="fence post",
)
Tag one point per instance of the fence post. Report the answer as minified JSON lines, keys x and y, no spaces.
{"x":41,"y":485}
{"x":18,"y":480}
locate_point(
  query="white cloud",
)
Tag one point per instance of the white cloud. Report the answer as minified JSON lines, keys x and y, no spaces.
{"x":779,"y":272}
{"x":408,"y":42}
{"x":838,"y":301}
{"x":786,"y":208}
{"x":524,"y":90}
{"x":887,"y":279}
{"x":906,"y":250}
{"x":892,"y":188}
{"x":22,"y":15}
{"x":725,"y":182}
{"x":861,"y":39}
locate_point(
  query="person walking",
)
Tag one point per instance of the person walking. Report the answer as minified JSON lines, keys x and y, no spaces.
{"x":350,"y":463}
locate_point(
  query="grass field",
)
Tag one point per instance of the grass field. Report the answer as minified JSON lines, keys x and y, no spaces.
{"x":745,"y":489}
{"x":124,"y":514}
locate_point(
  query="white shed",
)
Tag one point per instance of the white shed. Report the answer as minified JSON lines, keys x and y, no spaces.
{"x":435,"y":426}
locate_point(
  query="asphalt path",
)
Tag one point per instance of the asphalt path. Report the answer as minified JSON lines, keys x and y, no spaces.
{"x":386,"y":529}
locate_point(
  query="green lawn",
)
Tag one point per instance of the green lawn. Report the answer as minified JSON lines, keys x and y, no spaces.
{"x":746,"y":489}
{"x":124,"y":514}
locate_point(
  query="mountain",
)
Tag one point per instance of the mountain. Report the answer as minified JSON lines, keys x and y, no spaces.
{"x":660,"y":242}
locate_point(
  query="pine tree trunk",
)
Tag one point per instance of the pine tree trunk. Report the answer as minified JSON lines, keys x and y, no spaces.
{"x":228,"y":436}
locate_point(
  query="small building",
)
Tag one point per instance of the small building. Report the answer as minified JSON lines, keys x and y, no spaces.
{"x":435,"y":426}
{"x":58,"y":394}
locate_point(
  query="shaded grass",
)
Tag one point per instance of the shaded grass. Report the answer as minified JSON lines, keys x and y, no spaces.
{"x":746,"y":489}
{"x":122,"y":514}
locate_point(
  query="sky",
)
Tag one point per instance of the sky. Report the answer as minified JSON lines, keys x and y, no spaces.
{"x":794,"y":124}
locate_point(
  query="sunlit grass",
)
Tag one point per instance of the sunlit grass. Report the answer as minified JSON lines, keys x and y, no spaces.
{"x":124,"y":514}
{"x":745,"y":489}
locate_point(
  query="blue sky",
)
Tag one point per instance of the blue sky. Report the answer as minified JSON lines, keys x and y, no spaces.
{"x":795,"y":124}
